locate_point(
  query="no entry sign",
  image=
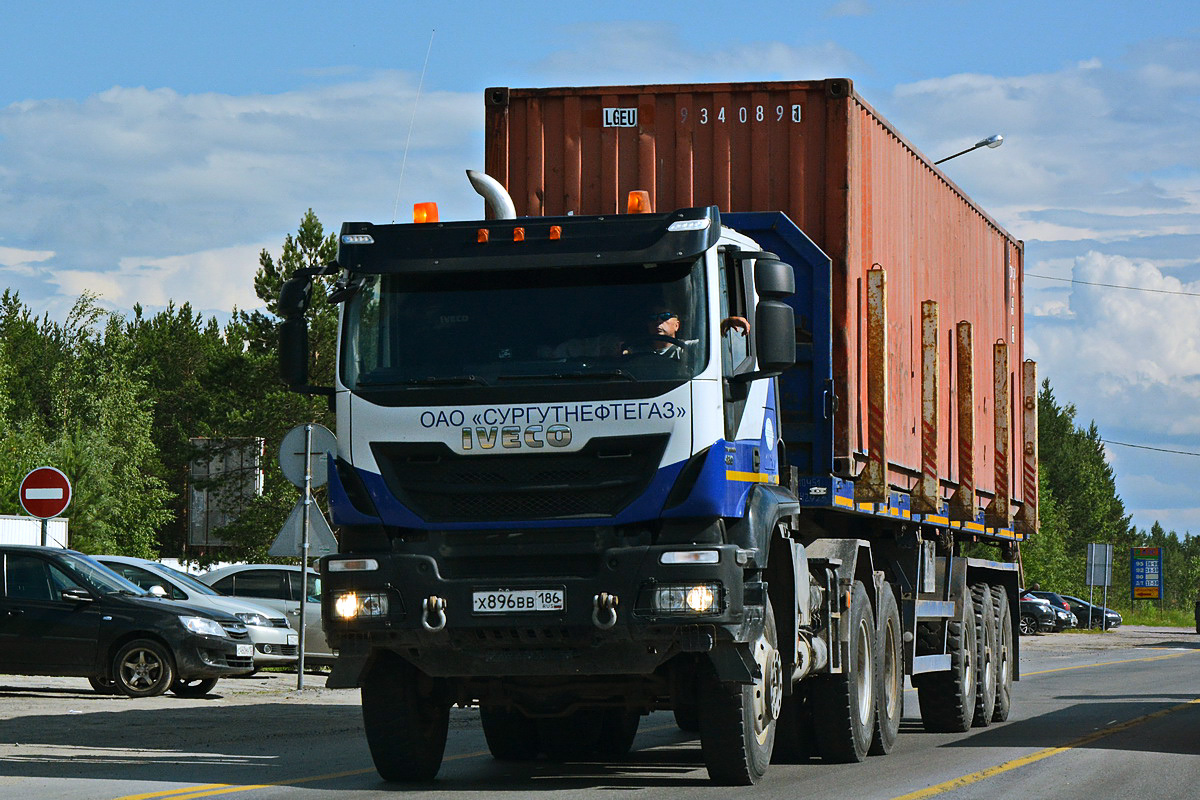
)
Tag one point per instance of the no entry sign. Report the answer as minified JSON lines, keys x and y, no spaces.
{"x":45,"y":493}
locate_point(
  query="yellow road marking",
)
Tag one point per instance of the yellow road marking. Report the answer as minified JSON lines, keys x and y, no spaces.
{"x":975,"y":777}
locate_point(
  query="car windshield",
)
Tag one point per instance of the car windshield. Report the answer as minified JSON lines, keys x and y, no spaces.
{"x":514,"y":327}
{"x":100,"y":577}
{"x":188,"y":581}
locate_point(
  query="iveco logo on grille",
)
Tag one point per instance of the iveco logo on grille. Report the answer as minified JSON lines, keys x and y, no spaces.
{"x":620,"y":117}
{"x":512,"y":437}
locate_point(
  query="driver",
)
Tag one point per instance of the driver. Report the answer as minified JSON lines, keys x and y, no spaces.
{"x":662,"y":328}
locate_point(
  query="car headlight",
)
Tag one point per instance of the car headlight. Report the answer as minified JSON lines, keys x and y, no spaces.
{"x":203,"y":626}
{"x":355,"y":605}
{"x":252,"y":618}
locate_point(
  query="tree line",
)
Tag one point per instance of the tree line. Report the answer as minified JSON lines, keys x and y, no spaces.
{"x":116,"y":401}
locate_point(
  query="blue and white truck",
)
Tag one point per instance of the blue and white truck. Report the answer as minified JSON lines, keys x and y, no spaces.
{"x":587,"y":470}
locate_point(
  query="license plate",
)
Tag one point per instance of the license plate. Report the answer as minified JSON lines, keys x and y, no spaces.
{"x":245,"y":650}
{"x":293,"y":639}
{"x":515,"y":601}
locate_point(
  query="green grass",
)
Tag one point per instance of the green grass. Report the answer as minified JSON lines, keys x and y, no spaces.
{"x":1146,"y":614}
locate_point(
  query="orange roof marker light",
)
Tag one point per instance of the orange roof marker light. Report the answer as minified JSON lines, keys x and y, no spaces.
{"x":555,"y":232}
{"x":481,"y":235}
{"x":425,"y":212}
{"x":518,"y":234}
{"x":639,"y":202}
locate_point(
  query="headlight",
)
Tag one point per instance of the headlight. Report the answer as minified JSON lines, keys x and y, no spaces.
{"x":699,"y":598}
{"x":353,"y":605}
{"x":203,"y":626}
{"x":251,"y":618}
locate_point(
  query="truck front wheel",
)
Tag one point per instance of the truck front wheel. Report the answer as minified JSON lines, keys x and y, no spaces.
{"x":511,"y":736}
{"x":406,"y":716}
{"x":737,"y":722}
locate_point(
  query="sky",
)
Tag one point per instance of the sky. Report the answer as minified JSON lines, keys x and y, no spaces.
{"x":150,"y":150}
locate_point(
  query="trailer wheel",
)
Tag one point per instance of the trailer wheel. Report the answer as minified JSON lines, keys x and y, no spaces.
{"x":1004,"y":655}
{"x":406,"y":717}
{"x":948,"y":698}
{"x":737,"y":722}
{"x":845,"y":702}
{"x":511,"y":736}
{"x":986,"y":662}
{"x":889,"y":692}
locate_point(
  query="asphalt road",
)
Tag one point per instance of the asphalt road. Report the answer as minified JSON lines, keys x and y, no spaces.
{"x":1095,"y":716}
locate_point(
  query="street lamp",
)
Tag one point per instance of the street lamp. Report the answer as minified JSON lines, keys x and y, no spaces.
{"x":994,"y":140}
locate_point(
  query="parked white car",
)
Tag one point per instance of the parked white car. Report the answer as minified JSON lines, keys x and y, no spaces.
{"x":278,"y":585}
{"x":275,"y":641}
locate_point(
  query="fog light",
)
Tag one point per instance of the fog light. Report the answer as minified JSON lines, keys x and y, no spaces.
{"x":352,"y":605}
{"x":700,"y":598}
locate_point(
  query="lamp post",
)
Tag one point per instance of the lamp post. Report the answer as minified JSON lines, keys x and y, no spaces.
{"x":992,"y":141}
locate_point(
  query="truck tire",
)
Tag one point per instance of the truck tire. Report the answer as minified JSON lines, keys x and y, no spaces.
{"x":795,"y":742}
{"x":948,"y":698}
{"x":737,"y":722}
{"x":687,"y":718}
{"x":1004,"y":657}
{"x":143,"y":668}
{"x":618,"y":729}
{"x":575,"y":737}
{"x":844,"y":703}
{"x":889,"y":691}
{"x":406,"y":718}
{"x":986,"y":662}
{"x":511,"y":736}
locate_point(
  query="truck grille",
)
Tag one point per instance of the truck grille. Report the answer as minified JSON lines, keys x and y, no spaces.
{"x":442,"y":486}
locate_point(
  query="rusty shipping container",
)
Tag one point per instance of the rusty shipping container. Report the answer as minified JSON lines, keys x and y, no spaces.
{"x":927,"y":405}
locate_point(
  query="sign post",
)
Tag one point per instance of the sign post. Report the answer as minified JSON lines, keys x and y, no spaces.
{"x":303,"y":445}
{"x":1099,"y":573}
{"x":45,"y":493}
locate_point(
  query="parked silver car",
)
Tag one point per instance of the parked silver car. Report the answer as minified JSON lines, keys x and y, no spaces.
{"x":278,"y":586}
{"x":275,"y":641}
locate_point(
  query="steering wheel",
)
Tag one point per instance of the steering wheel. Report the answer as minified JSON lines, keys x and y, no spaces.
{"x":643,"y":345}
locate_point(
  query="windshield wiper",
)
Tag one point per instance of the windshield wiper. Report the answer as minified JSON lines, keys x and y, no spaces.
{"x":449,"y":380}
{"x":615,"y":374}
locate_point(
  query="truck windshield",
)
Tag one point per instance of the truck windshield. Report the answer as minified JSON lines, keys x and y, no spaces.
{"x":634,"y":322}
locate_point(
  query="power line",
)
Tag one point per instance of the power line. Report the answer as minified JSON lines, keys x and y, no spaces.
{"x":1111,"y":285}
{"x":1156,"y":449}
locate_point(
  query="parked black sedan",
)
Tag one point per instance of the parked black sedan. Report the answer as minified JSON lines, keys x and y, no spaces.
{"x":61,"y":613}
{"x":1037,"y":615}
{"x":1099,"y":615}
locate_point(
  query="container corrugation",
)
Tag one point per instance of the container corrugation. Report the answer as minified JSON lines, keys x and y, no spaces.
{"x":818,"y":152}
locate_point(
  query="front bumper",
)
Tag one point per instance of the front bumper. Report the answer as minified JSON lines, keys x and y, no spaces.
{"x":580,"y":639}
{"x":213,"y":657}
{"x":274,"y":646}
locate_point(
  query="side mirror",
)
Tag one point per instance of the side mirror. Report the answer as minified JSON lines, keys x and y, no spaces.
{"x":293,"y":351}
{"x":775,"y":345}
{"x":77,"y":596}
{"x":295,"y":296}
{"x":774,"y":279}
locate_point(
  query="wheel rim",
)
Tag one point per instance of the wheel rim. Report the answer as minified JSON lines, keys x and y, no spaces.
{"x":768,"y":690}
{"x":141,"y":669}
{"x":863,"y":674}
{"x":969,"y":645}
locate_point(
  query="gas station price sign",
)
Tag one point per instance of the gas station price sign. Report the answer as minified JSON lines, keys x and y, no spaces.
{"x":1145,"y":573}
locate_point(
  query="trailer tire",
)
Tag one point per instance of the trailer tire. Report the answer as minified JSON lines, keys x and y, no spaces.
{"x":845,"y":702}
{"x":948,"y":698}
{"x":406,"y":717}
{"x":738,"y":721}
{"x":1004,"y":663}
{"x":889,"y":691}
{"x":986,"y":675}
{"x":511,"y":736}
